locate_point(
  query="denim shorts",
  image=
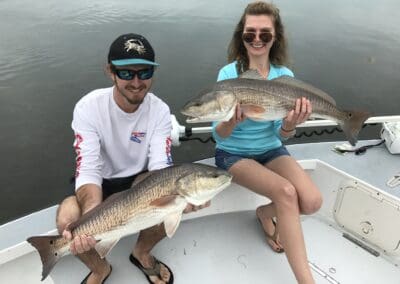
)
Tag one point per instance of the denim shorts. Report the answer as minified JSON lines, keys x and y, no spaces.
{"x":225,"y":160}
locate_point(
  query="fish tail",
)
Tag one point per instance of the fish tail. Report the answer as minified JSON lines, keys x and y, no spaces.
{"x":352,"y":126}
{"x":49,"y":255}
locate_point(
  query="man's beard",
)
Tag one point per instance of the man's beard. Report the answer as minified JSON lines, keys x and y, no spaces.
{"x":134,"y":101}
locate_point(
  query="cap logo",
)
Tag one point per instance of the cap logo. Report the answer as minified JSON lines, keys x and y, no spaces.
{"x":135,"y":44}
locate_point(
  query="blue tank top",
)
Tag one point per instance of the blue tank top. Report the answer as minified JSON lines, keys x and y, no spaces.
{"x":251,"y":137}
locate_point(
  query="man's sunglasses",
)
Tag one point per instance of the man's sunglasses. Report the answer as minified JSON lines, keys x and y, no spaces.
{"x":143,"y":74}
{"x":249,"y":37}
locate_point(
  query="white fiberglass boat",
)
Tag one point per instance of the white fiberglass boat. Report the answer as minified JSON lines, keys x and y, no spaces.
{"x":354,"y":238}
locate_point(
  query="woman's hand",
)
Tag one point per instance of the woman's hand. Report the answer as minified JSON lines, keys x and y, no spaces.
{"x":238,"y":116}
{"x":225,"y":128}
{"x":298,"y":115}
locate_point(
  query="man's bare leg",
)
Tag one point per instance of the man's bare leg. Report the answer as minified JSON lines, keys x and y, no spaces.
{"x":68,"y":212}
{"x":147,"y":240}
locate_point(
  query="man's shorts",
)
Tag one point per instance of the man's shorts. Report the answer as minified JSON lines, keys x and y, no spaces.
{"x":114,"y":185}
{"x":225,"y":160}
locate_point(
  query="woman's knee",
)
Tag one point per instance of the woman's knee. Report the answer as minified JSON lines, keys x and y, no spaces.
{"x":287,"y":195}
{"x":311,"y":204}
{"x":67,"y":212}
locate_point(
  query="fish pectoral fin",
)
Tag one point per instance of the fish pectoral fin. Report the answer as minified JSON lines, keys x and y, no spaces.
{"x":103,"y":247}
{"x":141,"y":177}
{"x":252,"y":110}
{"x":171,"y":223}
{"x":163,"y":201}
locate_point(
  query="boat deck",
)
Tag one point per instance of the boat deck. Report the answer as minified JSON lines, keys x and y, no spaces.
{"x":229,"y":246}
{"x":376,"y":166}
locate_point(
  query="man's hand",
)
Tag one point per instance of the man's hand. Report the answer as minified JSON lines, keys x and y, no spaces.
{"x":79,"y":244}
{"x":193,"y":208}
{"x":88,"y":196}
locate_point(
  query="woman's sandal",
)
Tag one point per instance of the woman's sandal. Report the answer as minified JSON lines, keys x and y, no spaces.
{"x":273,"y":237}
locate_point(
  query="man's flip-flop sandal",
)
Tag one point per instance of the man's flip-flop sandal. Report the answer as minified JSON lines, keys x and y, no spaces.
{"x":273,"y":237}
{"x":87,"y":276}
{"x":155,"y":271}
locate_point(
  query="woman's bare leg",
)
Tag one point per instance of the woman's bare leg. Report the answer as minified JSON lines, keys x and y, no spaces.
{"x":263,"y":181}
{"x":310,"y":199}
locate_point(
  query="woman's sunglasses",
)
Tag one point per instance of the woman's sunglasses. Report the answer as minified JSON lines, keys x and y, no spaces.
{"x":143,"y":74}
{"x":249,"y":37}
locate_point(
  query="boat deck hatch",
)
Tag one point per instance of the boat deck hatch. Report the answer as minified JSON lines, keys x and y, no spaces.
{"x":369,"y":214}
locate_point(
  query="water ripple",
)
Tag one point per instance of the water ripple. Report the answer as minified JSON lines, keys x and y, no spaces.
{"x":24,"y":57}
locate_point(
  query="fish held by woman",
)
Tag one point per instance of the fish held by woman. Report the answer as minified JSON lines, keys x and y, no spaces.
{"x":262,"y":99}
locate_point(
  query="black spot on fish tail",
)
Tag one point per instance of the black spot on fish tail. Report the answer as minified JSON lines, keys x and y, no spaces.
{"x":48,"y":254}
{"x":353,"y":124}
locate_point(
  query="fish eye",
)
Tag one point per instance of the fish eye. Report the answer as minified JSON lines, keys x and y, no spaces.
{"x":197,"y":104}
{"x":215,"y":175}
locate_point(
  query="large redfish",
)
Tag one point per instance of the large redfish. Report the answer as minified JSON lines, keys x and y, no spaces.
{"x":159,"y":198}
{"x":269,"y":100}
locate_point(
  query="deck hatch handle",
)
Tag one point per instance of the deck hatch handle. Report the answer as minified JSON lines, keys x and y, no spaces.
{"x":361,"y":245}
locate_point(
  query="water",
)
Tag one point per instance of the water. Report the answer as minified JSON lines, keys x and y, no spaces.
{"x":52,"y":53}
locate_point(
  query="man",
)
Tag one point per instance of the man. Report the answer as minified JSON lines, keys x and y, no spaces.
{"x":120,"y":132}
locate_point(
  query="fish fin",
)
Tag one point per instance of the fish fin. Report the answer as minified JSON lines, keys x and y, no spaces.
{"x":49,"y":256}
{"x":253,"y":111}
{"x":288,"y":80}
{"x":103,"y":247}
{"x":141,"y":177}
{"x":171,"y":223}
{"x":352,"y":126}
{"x":251,"y":74}
{"x":163,"y":201}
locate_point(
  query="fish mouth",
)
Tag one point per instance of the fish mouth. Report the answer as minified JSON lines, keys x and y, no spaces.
{"x":219,"y":116}
{"x":193,"y":119}
{"x":199,"y":119}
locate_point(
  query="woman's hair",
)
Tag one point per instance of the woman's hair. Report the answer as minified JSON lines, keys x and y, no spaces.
{"x":237,"y":50}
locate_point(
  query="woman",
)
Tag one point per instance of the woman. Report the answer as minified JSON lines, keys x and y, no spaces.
{"x":252,"y":150}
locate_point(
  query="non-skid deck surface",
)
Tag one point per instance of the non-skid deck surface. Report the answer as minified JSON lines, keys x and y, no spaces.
{"x":230,"y":248}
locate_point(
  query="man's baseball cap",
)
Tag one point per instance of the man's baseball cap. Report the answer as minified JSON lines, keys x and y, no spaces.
{"x":131,"y":49}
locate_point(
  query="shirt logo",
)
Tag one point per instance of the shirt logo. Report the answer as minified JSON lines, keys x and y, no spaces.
{"x":77,"y":147}
{"x":136,"y":45}
{"x":136,"y":135}
{"x":168,"y":144}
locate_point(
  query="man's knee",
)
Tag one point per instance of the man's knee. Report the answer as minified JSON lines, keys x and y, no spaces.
{"x":67,"y":212}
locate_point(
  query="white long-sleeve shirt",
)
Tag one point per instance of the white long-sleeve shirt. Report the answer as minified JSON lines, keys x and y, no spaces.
{"x":111,"y":143}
